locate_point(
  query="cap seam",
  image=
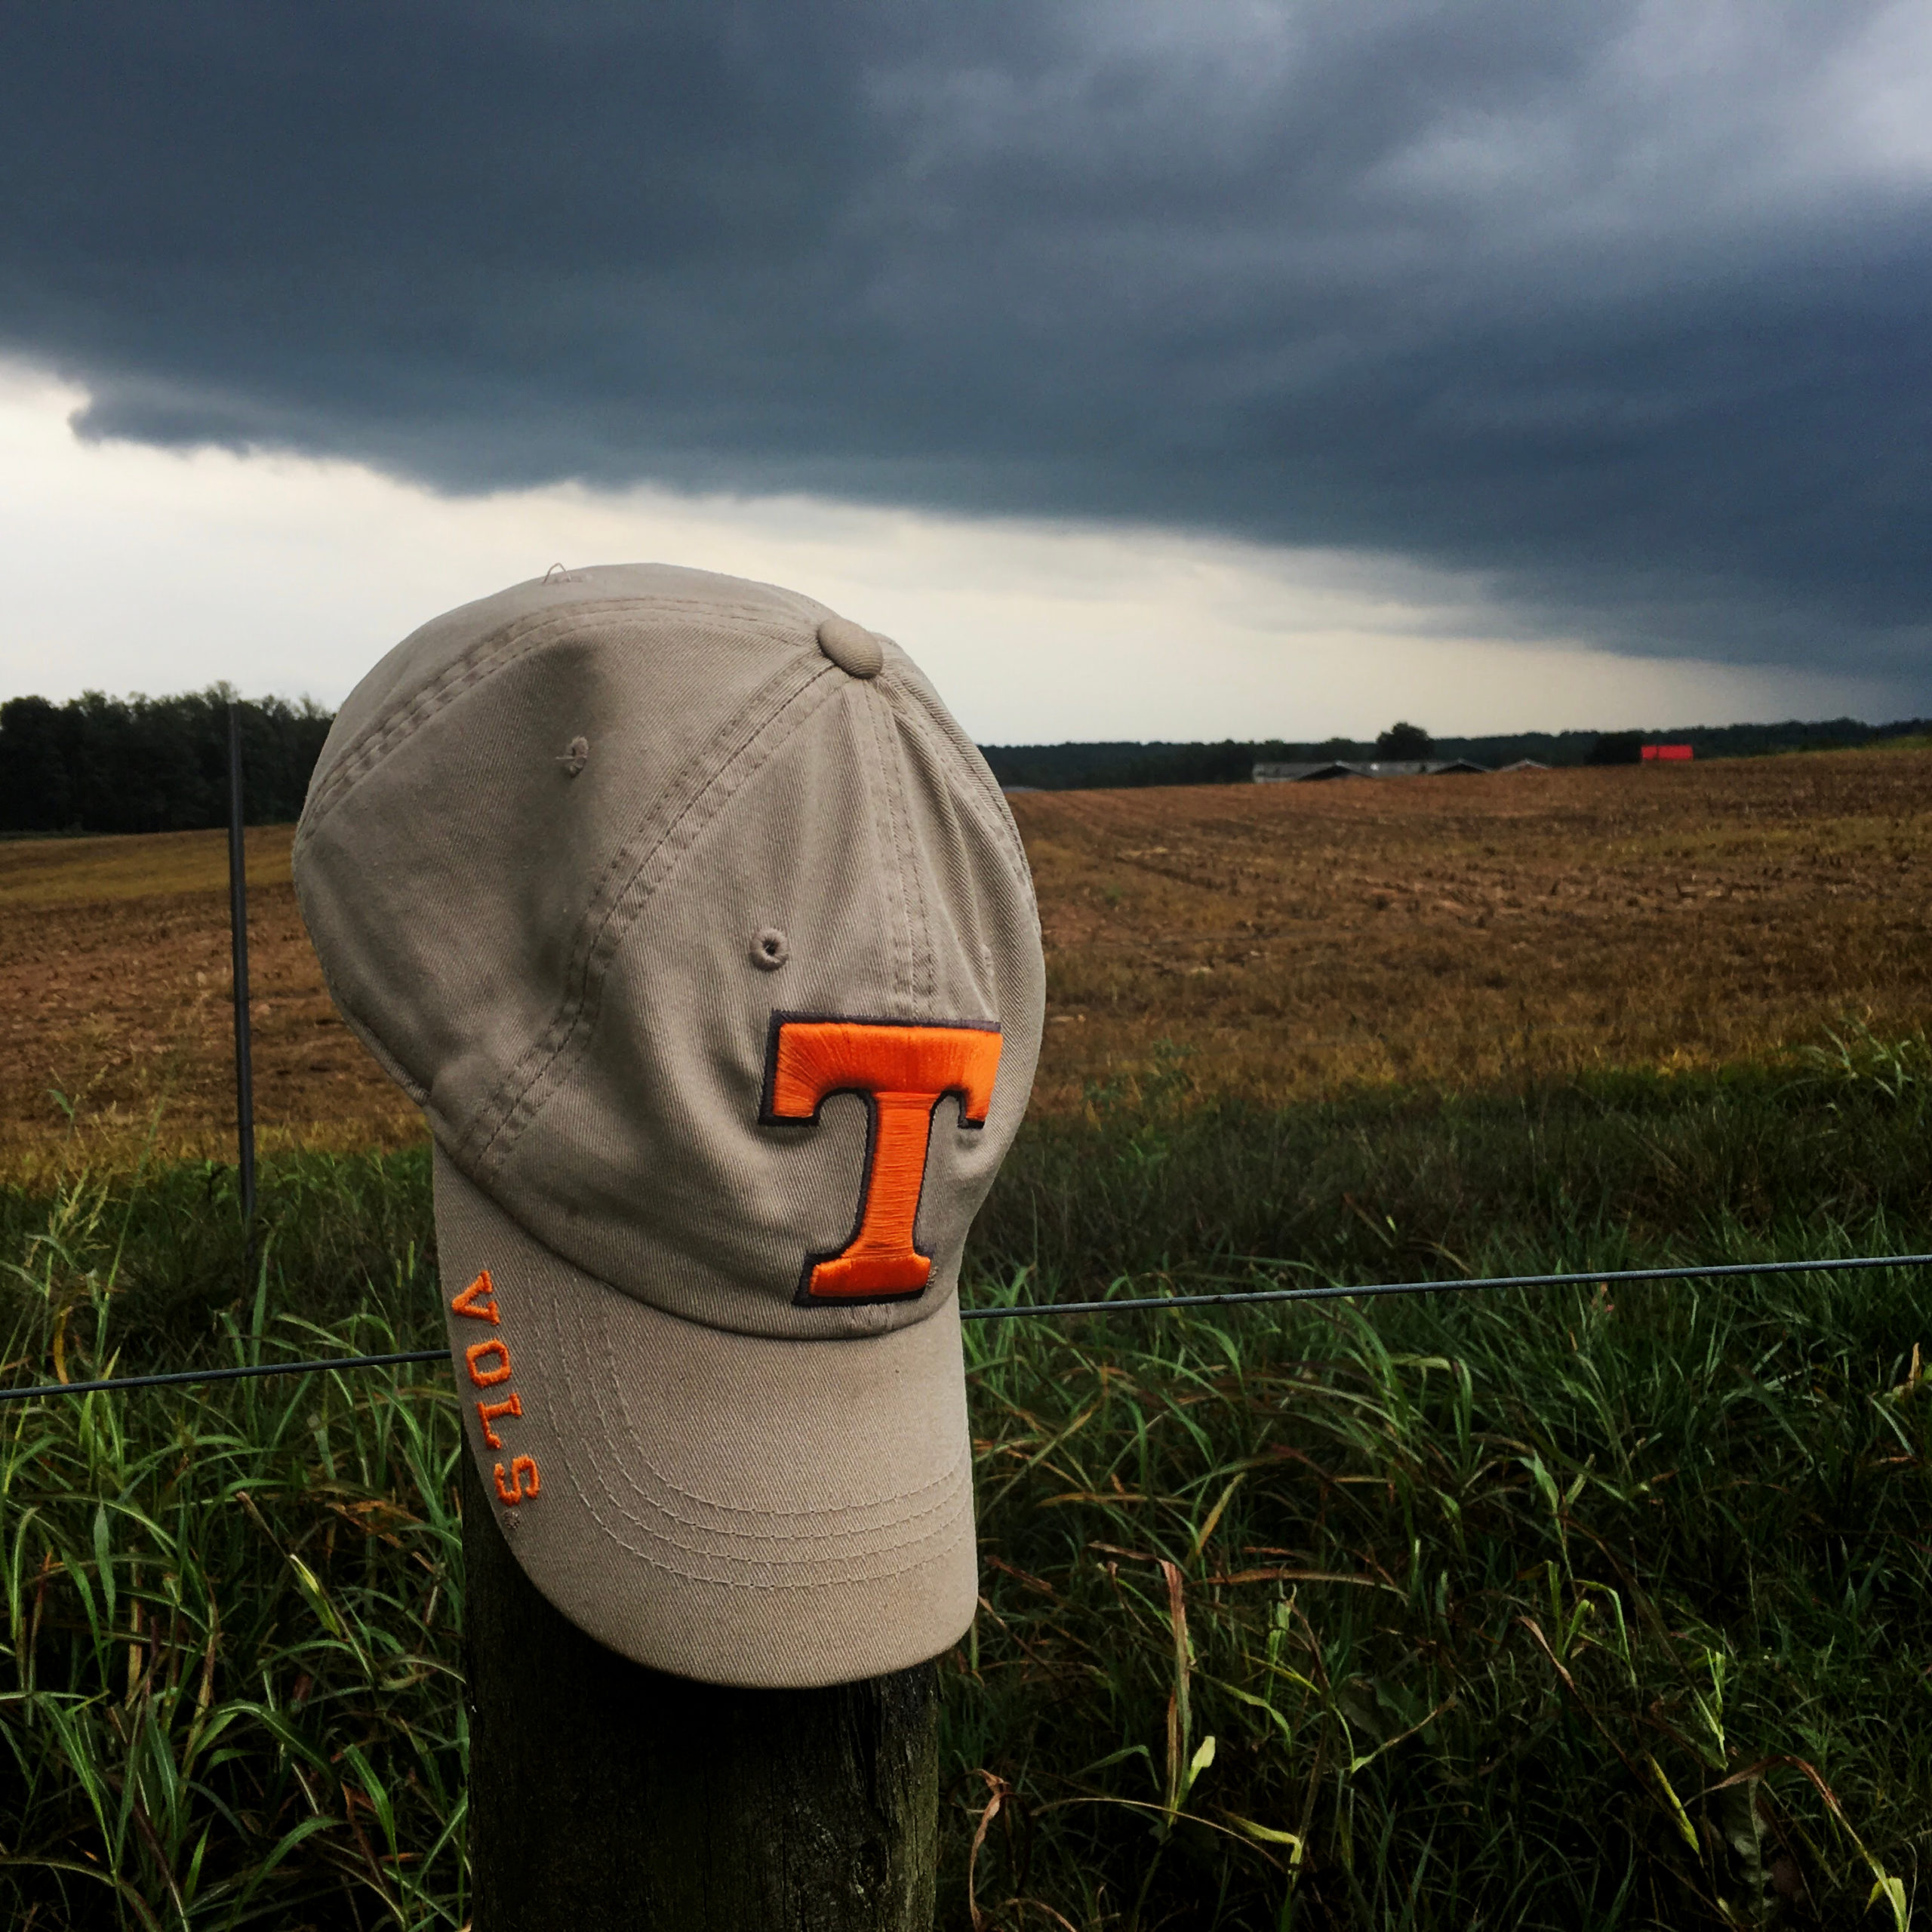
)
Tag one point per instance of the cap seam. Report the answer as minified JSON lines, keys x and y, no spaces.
{"x":984,"y":800}
{"x":905,"y":941}
{"x":487,"y":655}
{"x":687,"y":806}
{"x":924,"y":994}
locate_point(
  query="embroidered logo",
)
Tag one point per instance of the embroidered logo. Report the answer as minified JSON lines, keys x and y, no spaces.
{"x":489,"y":1364}
{"x":902,"y":1069}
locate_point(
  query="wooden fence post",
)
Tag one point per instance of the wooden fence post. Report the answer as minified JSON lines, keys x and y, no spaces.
{"x":603,"y":1795}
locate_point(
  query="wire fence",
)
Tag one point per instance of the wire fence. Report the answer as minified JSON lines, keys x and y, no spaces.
{"x":1055,"y":1310}
{"x":998,"y":1311}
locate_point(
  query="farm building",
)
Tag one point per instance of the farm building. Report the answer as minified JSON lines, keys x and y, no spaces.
{"x":1296,"y":774}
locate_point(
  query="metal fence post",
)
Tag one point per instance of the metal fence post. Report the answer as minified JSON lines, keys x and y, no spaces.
{"x":603,"y":1795}
{"x":238,"y":929}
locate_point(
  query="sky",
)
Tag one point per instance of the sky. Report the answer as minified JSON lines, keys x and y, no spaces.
{"x":1229,"y":369}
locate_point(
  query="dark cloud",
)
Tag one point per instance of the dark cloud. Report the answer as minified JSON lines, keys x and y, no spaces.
{"x":1621,"y":307}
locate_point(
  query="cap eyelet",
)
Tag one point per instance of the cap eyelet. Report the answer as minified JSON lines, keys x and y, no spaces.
{"x":769,"y":949}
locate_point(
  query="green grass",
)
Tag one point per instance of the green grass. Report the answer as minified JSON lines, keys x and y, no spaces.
{"x":1568,"y":1608}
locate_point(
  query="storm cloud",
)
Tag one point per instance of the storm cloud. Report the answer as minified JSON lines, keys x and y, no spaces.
{"x":1623,"y":307}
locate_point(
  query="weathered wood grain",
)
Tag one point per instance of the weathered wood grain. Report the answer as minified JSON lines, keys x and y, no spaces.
{"x":603,"y":1795}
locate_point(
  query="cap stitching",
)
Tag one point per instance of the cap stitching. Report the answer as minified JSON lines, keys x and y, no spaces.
{"x":911,"y":873}
{"x":958,"y":1477}
{"x":927,"y":711}
{"x":868,"y":1573}
{"x":858,"y":1572}
{"x":947,"y":1477}
{"x":489,"y":654}
{"x":905,"y":869}
{"x":869,"y":1564}
{"x":888,"y":1539}
{"x":984,"y":800}
{"x":695,"y":796}
{"x":948,"y":1481}
{"x":930,"y":949}
{"x":903,"y":946}
{"x":401,"y":719}
{"x":801,"y":672}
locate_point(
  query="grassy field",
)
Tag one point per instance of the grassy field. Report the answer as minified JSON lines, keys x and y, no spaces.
{"x":1581,"y":1608}
{"x":1564,"y":1609}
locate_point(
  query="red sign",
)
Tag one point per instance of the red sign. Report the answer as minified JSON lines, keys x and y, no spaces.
{"x":1669,"y":754}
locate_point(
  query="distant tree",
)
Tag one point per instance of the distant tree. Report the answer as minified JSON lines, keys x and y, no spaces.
{"x":35,"y":793}
{"x":1616,"y":748}
{"x":1405,"y":743}
{"x":101,"y":764}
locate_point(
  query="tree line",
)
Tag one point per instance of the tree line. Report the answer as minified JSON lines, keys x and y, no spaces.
{"x":101,"y":764}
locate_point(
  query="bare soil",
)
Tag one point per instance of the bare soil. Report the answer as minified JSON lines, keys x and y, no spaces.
{"x":1293,"y":940}
{"x":116,"y":1019}
{"x":1274,"y":942}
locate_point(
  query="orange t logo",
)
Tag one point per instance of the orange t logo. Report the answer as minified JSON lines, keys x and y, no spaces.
{"x":902,"y":1069}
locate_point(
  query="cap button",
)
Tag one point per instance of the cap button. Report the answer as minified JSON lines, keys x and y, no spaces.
{"x":851,"y":647}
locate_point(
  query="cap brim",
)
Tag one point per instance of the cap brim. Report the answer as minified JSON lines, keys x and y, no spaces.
{"x":740,"y":1509}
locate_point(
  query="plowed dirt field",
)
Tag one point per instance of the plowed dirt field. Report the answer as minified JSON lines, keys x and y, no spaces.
{"x":1273,"y":941}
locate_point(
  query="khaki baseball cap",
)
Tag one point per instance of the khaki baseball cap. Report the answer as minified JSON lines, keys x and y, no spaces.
{"x":704,"y":939}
